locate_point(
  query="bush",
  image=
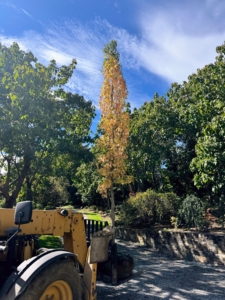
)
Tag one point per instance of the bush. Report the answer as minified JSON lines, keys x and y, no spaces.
{"x":53,"y":194}
{"x":127,"y":214}
{"x":149,"y":207}
{"x":192,"y":212}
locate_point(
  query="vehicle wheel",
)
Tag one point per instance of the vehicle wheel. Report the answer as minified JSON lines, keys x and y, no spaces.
{"x":58,"y":281}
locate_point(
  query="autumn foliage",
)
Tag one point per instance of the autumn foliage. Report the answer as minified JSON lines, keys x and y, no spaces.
{"x":114,"y":123}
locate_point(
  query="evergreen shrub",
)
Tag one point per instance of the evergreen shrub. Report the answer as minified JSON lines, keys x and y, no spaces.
{"x":149,"y":207}
{"x":192,"y":212}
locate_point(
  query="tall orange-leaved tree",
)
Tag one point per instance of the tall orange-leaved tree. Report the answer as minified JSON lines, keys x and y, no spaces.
{"x":114,"y":124}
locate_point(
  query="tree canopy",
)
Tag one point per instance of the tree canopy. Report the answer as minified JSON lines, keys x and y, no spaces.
{"x":37,"y":116}
{"x":171,"y":144}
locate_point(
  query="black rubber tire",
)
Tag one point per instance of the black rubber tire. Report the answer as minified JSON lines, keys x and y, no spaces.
{"x":58,"y":270}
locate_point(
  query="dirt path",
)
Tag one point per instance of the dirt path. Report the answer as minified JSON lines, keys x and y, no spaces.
{"x":161,"y":277}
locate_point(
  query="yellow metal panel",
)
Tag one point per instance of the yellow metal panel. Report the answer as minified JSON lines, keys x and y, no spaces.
{"x":90,"y":275}
{"x":58,"y":228}
{"x":79,"y":237}
{"x":51,"y":222}
{"x":45,"y":225}
{"x":6,"y":219}
{"x":42,"y":223}
{"x":67,"y":223}
{"x":68,"y":241}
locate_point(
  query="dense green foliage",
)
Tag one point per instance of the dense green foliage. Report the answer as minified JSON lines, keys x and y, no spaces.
{"x":192,"y":212}
{"x":87,"y":179}
{"x":148,"y":208}
{"x":49,"y":241}
{"x":151,"y":137}
{"x":175,"y":153}
{"x":39,"y":121}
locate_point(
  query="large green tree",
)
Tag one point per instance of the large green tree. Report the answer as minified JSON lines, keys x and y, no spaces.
{"x":151,"y":137}
{"x":37,"y":117}
{"x":209,"y":104}
{"x":199,"y":104}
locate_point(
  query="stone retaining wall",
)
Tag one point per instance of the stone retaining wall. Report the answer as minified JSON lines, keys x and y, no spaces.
{"x":201,"y":247}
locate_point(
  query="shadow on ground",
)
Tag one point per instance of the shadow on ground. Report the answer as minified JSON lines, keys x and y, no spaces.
{"x":161,"y":277}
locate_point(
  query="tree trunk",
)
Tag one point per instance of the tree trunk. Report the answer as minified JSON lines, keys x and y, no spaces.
{"x":29,"y":190}
{"x":114,"y":247}
{"x":112,"y":215}
{"x":11,"y":200}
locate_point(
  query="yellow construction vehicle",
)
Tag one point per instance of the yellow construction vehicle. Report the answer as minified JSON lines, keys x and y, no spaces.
{"x":29,"y":273}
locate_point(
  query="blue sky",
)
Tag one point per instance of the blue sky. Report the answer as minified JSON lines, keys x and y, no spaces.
{"x":160,"y":41}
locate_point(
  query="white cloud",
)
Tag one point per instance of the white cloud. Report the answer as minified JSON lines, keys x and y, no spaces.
{"x":177,"y":56}
{"x":8,"y":3}
{"x":26,"y":13}
{"x":173,"y":39}
{"x":63,"y":43}
{"x":177,"y":41}
{"x":50,"y":53}
{"x":16,"y":8}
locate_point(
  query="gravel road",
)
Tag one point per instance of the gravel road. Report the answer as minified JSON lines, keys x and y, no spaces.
{"x":160,"y":277}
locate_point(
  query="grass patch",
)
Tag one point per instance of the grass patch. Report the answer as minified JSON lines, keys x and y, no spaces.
{"x":67,"y":207}
{"x":93,"y":216}
{"x":96,"y":216}
{"x":49,"y":241}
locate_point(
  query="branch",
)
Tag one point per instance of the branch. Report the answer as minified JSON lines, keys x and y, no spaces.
{"x":8,"y":173}
{"x":16,"y":165}
{"x":3,"y":192}
{"x":13,"y":182}
{"x":21,"y":177}
{"x":36,"y":169}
